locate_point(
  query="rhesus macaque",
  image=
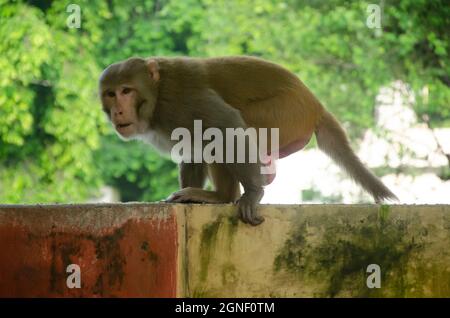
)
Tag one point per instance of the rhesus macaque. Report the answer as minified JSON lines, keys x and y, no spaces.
{"x":148,"y":98}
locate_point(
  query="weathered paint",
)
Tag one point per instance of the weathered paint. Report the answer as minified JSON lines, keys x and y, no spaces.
{"x":320,"y":251}
{"x":161,"y":250}
{"x":122,"y":250}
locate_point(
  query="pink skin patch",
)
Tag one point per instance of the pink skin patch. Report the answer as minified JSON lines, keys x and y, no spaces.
{"x":284,"y":152}
{"x":270,"y":178}
{"x":294,"y":147}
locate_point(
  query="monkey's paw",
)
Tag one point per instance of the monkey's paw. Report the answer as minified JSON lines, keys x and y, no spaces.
{"x":248,"y":211}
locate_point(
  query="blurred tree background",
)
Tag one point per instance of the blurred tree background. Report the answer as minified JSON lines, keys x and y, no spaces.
{"x":55,"y":144}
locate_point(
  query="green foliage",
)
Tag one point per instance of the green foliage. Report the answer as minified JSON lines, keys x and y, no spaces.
{"x":55,"y":145}
{"x":140,"y":174}
{"x":328,"y":44}
{"x":47,"y":120}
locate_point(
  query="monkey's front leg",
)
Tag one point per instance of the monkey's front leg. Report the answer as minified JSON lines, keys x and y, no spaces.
{"x":252,"y":180}
{"x":216,"y":113}
{"x":247,"y":207}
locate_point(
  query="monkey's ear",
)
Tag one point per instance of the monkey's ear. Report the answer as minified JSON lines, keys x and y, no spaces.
{"x":153,"y":68}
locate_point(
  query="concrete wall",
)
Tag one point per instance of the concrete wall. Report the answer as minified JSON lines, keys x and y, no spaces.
{"x":160,"y":250}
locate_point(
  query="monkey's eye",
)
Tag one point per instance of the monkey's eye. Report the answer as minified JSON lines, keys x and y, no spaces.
{"x":110,"y":94}
{"x":126,"y":90}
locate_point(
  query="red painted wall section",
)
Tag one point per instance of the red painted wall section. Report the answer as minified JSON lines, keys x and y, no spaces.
{"x":122,"y":250}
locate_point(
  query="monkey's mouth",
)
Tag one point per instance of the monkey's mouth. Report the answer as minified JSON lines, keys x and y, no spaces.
{"x":123,"y":125}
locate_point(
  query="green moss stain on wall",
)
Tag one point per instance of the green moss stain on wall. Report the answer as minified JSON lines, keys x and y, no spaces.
{"x":293,"y":256}
{"x":225,"y":224}
{"x":230,"y":275}
{"x":337,"y":259}
{"x":383,"y":213}
{"x":226,"y":227}
{"x":208,"y":241}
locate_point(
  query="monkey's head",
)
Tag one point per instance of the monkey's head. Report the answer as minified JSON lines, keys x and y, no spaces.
{"x":128,"y":92}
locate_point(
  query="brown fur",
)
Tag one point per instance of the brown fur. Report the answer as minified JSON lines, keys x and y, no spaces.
{"x":224,"y":92}
{"x":332,"y":139}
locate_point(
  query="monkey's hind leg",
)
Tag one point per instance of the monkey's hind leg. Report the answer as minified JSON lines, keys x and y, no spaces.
{"x":226,"y":188}
{"x":194,"y":195}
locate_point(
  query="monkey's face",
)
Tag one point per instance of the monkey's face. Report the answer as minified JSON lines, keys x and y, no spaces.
{"x":128,"y":95}
{"x":122,"y":105}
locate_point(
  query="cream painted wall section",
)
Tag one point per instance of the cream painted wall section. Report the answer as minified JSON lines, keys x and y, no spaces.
{"x":318,"y":251}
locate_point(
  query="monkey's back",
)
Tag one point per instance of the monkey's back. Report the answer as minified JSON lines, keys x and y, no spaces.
{"x":266,"y":94}
{"x":244,"y":79}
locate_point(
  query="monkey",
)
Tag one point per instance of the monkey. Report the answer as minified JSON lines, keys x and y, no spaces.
{"x":147,"y":98}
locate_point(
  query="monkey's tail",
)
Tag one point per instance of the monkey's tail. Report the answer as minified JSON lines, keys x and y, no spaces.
{"x":333,"y":140}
